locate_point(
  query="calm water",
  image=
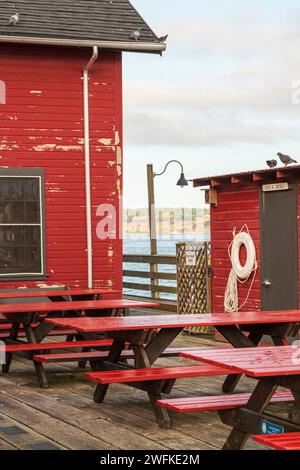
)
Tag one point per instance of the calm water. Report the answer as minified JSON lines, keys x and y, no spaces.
{"x":166,"y":246}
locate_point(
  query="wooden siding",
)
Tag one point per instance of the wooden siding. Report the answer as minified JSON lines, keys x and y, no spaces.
{"x":235,"y":208}
{"x":42,"y":126}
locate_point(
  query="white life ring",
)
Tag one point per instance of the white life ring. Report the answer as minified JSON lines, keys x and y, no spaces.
{"x":243,"y":238}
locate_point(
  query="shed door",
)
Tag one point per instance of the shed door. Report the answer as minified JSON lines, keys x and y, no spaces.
{"x":279,"y":249}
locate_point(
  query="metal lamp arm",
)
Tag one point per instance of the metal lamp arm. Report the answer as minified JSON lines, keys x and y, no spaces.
{"x":171,"y":161}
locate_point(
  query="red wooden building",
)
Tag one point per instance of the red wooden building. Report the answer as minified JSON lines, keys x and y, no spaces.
{"x":61,"y":138}
{"x":267,"y":202}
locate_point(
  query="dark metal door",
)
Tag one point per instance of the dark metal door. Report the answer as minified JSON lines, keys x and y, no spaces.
{"x":279,"y":249}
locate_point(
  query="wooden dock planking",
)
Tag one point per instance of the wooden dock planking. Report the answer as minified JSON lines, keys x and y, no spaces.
{"x":66,"y":416}
{"x":15,"y":436}
{"x":134,"y":427}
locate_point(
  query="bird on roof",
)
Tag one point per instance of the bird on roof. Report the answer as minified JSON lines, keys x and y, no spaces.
{"x":272,"y":163}
{"x":286,"y":159}
{"x":14,"y":19}
{"x":136,"y":34}
{"x":162,"y":39}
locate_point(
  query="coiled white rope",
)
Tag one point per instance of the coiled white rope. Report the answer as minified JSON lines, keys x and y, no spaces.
{"x":240,"y":274}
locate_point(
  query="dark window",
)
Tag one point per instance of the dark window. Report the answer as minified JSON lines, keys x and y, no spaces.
{"x":21,"y":223}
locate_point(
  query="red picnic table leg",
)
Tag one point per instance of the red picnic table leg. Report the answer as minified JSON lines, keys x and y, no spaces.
{"x":147,"y":347}
{"x":248,"y":420}
{"x":260,"y":398}
{"x":13,"y":337}
{"x":113,"y":357}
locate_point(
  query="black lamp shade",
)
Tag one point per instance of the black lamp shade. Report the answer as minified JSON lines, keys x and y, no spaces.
{"x":182,"y":182}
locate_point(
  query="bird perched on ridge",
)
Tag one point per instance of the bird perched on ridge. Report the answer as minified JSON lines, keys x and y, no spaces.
{"x":14,"y":19}
{"x":272,"y":163}
{"x":162,"y":39}
{"x":286,"y":159}
{"x":136,"y":34}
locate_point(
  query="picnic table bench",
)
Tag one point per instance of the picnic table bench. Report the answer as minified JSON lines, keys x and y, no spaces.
{"x":273,"y":367}
{"x":149,"y":336}
{"x":53,"y":295}
{"x":32,"y":316}
{"x":59,"y":294}
{"x":218,"y":402}
{"x":288,"y":441}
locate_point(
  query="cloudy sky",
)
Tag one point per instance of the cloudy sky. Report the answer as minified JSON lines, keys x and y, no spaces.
{"x":219,"y":100}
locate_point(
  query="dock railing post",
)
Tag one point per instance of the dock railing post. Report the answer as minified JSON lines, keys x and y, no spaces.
{"x":152,"y":227}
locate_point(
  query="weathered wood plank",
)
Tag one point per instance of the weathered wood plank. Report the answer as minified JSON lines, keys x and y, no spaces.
{"x":69,"y":436}
{"x":150,"y":259}
{"x":14,"y":435}
{"x":66,"y":415}
{"x":149,"y":275}
{"x":83,"y":399}
{"x":148,"y":287}
{"x":92,"y":423}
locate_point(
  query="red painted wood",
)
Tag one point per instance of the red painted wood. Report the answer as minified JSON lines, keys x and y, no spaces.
{"x":169,"y":352}
{"x":79,"y":356}
{"x":86,"y":324}
{"x":289,"y":441}
{"x":161,"y":373}
{"x":56,"y":293}
{"x":75,"y":305}
{"x":51,"y":333}
{"x":59,"y":345}
{"x":254,"y":362}
{"x":42,"y":126}
{"x":235,"y":208}
{"x":8,"y":326}
{"x":218,"y":402}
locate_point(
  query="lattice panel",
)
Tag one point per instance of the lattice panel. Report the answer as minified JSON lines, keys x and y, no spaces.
{"x":193,"y":279}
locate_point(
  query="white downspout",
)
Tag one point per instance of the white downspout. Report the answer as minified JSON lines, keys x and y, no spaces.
{"x":88,"y":165}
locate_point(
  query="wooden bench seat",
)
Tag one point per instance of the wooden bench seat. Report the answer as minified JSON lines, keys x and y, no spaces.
{"x":5,"y":328}
{"x":8,"y":326}
{"x":59,"y":345}
{"x":59,"y":332}
{"x":218,"y":402}
{"x":289,"y":441}
{"x":78,"y":356}
{"x":155,"y":374}
{"x":96,"y":355}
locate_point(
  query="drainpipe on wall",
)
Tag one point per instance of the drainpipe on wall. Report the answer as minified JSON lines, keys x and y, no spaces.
{"x":88,"y":165}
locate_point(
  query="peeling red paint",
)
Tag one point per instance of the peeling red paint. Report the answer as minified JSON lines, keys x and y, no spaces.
{"x":42,"y":124}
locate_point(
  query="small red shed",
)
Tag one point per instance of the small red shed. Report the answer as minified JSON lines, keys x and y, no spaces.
{"x":61,"y":138}
{"x":266,"y":203}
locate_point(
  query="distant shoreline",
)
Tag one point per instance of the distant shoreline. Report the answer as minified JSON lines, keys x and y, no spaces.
{"x":170,"y":222}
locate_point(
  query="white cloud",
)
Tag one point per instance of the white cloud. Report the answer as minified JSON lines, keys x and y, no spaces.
{"x":248,"y":99}
{"x":178,"y":129}
{"x":221,"y":94}
{"x":220,"y":98}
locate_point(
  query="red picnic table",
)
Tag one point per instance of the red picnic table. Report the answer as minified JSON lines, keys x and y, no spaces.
{"x":273,"y":367}
{"x":53,"y":295}
{"x":59,"y":294}
{"x":149,"y":336}
{"x":33,"y":315}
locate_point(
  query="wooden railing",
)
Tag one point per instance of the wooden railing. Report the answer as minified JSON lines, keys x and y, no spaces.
{"x":152,"y":277}
{"x":190,"y":289}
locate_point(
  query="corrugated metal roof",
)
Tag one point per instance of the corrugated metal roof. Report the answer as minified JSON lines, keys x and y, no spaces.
{"x":248,"y":176}
{"x":87,"y":20}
